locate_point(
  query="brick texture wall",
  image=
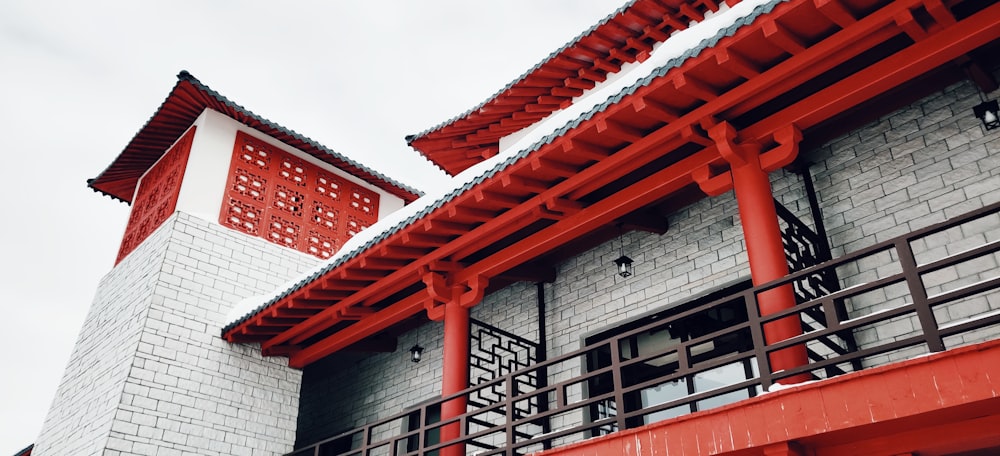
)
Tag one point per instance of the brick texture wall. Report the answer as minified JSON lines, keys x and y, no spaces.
{"x":83,"y":409}
{"x":920,"y":165}
{"x":166,"y":383}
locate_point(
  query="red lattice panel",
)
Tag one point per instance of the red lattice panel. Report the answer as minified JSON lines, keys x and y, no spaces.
{"x":254,"y":155}
{"x":288,"y":201}
{"x":325,"y":216}
{"x":293,"y":171}
{"x":321,"y":245}
{"x":156,"y":198}
{"x":244,"y":217}
{"x":364,"y":204}
{"x":328,"y":186}
{"x":249,"y":185}
{"x":284,"y":232}
{"x":354,"y":226}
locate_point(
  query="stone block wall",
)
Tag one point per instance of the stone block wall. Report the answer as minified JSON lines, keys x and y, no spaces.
{"x":85,"y":403}
{"x":347,"y":390}
{"x":173,"y":386}
{"x":921,"y":165}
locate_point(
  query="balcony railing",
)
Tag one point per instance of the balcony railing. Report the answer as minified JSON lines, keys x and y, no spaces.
{"x":922,"y":292}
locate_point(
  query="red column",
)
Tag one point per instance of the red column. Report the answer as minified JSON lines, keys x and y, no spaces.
{"x":455,"y":372}
{"x":767,"y":260}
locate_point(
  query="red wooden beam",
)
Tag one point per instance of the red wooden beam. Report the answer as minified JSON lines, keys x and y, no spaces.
{"x":366,"y":327}
{"x":599,"y":214}
{"x":946,"y":45}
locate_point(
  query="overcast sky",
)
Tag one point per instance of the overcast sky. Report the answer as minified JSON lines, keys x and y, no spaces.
{"x":78,"y":80}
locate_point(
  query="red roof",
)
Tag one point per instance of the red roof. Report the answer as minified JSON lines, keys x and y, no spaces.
{"x":626,"y":36}
{"x":188,"y":99}
{"x":800,"y":67}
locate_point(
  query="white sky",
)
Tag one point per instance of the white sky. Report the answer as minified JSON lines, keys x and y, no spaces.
{"x":78,"y":80}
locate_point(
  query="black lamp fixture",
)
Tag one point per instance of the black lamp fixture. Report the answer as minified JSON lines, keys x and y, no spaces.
{"x":989,"y":113}
{"x":416,"y":352}
{"x":623,"y":262}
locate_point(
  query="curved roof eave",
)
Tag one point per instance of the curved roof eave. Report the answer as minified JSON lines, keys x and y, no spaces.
{"x":186,"y":101}
{"x":524,"y":75}
{"x":671,"y":20}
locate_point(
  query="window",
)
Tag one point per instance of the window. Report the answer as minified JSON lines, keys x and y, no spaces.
{"x":670,"y":338}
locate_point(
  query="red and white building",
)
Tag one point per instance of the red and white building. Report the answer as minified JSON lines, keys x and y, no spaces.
{"x":740,"y":227}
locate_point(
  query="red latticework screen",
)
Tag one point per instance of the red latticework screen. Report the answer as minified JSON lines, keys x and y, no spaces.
{"x":156,"y":197}
{"x":282,"y":198}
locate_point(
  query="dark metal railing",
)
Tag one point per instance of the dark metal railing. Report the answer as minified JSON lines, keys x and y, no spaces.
{"x":884,"y":289}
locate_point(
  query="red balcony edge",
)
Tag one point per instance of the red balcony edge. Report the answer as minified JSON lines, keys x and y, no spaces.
{"x":938,"y":404}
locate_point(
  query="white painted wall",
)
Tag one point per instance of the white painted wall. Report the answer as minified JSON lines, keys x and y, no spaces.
{"x":207,"y":170}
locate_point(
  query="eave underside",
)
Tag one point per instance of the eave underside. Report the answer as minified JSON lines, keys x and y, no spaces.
{"x":801,"y":67}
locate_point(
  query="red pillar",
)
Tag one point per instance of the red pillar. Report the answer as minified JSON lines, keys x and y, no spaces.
{"x":767,"y":260}
{"x":455,"y":372}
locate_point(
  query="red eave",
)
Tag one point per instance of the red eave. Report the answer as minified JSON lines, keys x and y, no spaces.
{"x":629,"y":156}
{"x":624,"y":37}
{"x":188,"y":99}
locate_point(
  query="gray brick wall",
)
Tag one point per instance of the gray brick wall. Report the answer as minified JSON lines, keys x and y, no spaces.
{"x":173,"y":386}
{"x":921,"y":165}
{"x":351,"y":389}
{"x":918,"y":166}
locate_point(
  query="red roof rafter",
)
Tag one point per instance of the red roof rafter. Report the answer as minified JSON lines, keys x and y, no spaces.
{"x":559,"y":181}
{"x":626,"y":36}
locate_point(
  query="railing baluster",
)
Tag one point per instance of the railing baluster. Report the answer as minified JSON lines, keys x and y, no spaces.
{"x":919,"y":294}
{"x":509,"y":425}
{"x":616,"y":381}
{"x":757,"y":336}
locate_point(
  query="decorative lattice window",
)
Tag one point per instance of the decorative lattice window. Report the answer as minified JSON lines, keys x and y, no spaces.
{"x":156,"y":197}
{"x":288,"y":201}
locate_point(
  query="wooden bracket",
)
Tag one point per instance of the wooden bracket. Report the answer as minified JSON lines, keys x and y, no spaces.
{"x":715,"y":183}
{"x":440,"y":292}
{"x":788,"y":139}
{"x":711,"y":182}
{"x":476,"y":290}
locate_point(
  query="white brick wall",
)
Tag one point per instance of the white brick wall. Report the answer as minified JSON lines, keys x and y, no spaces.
{"x":920,"y":165}
{"x":172,"y":386}
{"x":85,"y":404}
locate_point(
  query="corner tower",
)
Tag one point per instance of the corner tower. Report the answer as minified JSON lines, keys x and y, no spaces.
{"x":225,"y":205}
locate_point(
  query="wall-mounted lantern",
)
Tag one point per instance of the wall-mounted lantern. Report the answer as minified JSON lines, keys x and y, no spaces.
{"x":623,"y":263}
{"x":416,"y":352}
{"x":989,"y":113}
